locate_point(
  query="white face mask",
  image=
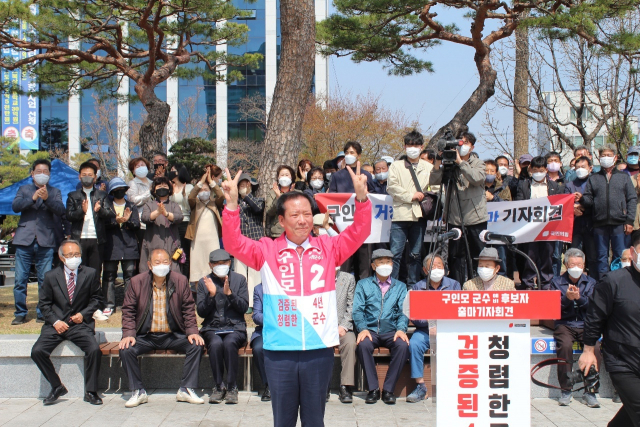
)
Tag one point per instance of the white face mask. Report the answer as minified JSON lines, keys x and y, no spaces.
{"x":244,"y":191}
{"x":141,"y":172}
{"x":41,"y":178}
{"x":637,"y":262}
{"x":553,"y":167}
{"x":73,"y":263}
{"x":412,"y":152}
{"x":575,"y":272}
{"x":328,"y":175}
{"x":221,"y":270}
{"x":503,"y":170}
{"x":317,"y":183}
{"x":606,"y":162}
{"x":350,"y":159}
{"x":539,"y":176}
{"x":626,"y":264}
{"x":382,"y":176}
{"x":486,"y":273}
{"x":464,"y":150}
{"x":582,"y":173}
{"x":161,"y":270}
{"x":437,"y":274}
{"x":204,"y":195}
{"x":384,"y":270}
{"x":284,"y":181}
{"x":99,"y":174}
{"x":322,"y":232}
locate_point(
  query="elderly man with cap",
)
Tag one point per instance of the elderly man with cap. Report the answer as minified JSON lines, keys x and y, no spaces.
{"x":223,"y":299}
{"x":121,"y":246}
{"x":488,"y":278}
{"x":380,"y":321}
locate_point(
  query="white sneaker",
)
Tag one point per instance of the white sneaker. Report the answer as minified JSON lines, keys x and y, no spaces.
{"x":190,"y":396}
{"x":136,"y":399}
{"x":99,"y":315}
{"x":107,"y":312}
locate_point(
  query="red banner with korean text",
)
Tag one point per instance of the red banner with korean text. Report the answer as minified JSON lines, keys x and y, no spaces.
{"x":535,"y":220}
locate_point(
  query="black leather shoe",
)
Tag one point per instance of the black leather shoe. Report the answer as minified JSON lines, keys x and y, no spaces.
{"x":266,"y":395}
{"x":19,"y":320}
{"x":345,"y":394}
{"x":93,"y":398}
{"x":388,"y":397}
{"x":373,"y":396}
{"x":55,"y":394}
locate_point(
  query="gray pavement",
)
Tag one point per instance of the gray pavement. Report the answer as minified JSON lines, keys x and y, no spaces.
{"x":163,"y":410}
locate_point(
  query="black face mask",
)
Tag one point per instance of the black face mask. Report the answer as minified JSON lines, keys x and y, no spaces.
{"x":162,"y":192}
{"x":119,"y":193}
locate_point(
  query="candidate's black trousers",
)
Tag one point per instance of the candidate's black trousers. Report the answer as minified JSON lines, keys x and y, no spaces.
{"x":399,"y":354}
{"x":153,"y":341}
{"x":82,"y":336}
{"x":628,"y":386}
{"x":223,"y":351}
{"x":298,"y":380}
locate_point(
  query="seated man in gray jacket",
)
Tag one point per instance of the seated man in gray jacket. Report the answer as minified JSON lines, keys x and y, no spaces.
{"x":223,"y":298}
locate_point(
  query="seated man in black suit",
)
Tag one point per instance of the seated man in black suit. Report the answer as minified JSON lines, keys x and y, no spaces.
{"x":69,"y":296}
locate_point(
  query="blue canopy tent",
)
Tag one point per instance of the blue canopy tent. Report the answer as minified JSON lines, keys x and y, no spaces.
{"x":63,"y":177}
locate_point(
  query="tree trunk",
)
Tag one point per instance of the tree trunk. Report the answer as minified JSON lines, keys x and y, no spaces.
{"x":521,"y":93}
{"x":284,"y":125}
{"x":154,"y":124}
{"x":485,"y":90}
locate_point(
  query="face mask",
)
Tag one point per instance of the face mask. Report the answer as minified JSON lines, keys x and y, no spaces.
{"x":350,"y":159}
{"x":539,"y":176}
{"x":553,"y":167}
{"x":382,"y":176}
{"x":606,"y":162}
{"x":141,"y":172}
{"x":304,"y":176}
{"x":87,"y":181}
{"x":99,"y":174}
{"x":284,"y":181}
{"x":632,"y":160}
{"x":637,"y":261}
{"x":161,"y":270}
{"x":582,"y":173}
{"x":204,"y":195}
{"x":41,"y":178}
{"x":575,"y":272}
{"x":244,"y":191}
{"x":626,"y":264}
{"x":464,"y":150}
{"x":384,"y":270}
{"x":317,"y":183}
{"x":322,"y":232}
{"x":162,"y":192}
{"x":119,"y":194}
{"x":485,"y":273}
{"x":221,"y":270}
{"x":437,"y":274}
{"x":412,"y":152}
{"x":328,"y":175}
{"x":503,"y":170}
{"x":72,"y":263}
{"x":490,"y":178}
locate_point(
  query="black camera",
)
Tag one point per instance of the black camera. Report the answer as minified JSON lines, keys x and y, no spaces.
{"x":448,"y":146}
{"x":591,"y":381}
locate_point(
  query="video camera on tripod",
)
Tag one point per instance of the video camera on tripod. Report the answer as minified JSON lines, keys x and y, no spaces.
{"x":448,"y":145}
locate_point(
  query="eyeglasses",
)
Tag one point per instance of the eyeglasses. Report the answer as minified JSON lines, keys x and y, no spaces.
{"x":73,"y":255}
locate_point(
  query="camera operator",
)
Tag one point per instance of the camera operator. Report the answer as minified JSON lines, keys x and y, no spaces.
{"x":469,"y":174}
{"x":614,"y":312}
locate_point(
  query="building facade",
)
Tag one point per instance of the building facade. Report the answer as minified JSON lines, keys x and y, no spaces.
{"x":66,"y":124}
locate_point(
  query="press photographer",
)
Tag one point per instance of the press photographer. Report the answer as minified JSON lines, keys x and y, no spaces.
{"x":614,"y":313}
{"x":468,"y":204}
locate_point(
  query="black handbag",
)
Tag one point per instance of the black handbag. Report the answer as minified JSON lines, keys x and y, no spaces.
{"x":430,"y":200}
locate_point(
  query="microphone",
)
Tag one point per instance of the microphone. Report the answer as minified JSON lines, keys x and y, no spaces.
{"x":487,"y":236}
{"x":454,"y":234}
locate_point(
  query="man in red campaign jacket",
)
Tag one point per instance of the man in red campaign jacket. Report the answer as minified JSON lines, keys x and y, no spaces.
{"x":299,"y":297}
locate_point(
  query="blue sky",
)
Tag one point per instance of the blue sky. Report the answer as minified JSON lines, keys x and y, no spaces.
{"x":429,"y":98}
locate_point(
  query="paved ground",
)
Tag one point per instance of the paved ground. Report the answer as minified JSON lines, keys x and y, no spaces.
{"x":162,"y":409}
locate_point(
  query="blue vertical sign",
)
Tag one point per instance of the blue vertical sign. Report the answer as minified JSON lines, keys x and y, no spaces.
{"x":20,"y":113}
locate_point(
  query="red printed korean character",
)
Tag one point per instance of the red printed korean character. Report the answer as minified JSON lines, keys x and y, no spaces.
{"x":315,"y":318}
{"x":280,"y":304}
{"x":294,"y":304}
{"x":287,"y":320}
{"x":280,"y":320}
{"x":468,"y":376}
{"x":286,"y":305}
{"x":317,"y":303}
{"x":469,"y":348}
{"x":322,"y":318}
{"x":468,"y":405}
{"x":294,"y":320}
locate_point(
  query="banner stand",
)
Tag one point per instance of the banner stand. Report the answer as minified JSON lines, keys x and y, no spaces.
{"x":481,"y":352}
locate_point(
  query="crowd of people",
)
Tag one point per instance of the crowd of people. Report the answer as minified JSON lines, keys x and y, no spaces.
{"x":173,"y":238}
